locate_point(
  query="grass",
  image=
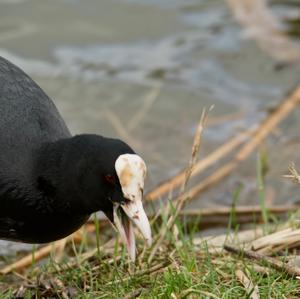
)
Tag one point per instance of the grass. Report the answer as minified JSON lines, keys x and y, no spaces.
{"x":179,"y":270}
{"x":261,"y":170}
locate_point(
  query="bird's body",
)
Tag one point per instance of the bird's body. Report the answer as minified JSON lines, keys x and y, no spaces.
{"x":28,"y":121}
{"x":50,"y":181}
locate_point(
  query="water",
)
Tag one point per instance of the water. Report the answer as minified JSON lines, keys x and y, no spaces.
{"x":103,"y":61}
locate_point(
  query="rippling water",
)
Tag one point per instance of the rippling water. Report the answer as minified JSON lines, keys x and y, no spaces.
{"x":104,"y":61}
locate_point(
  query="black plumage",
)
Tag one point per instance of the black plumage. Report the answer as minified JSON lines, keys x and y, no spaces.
{"x":50,"y":181}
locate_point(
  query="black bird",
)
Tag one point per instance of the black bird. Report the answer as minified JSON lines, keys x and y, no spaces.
{"x":51,"y":181}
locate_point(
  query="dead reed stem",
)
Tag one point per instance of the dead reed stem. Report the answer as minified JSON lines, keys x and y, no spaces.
{"x":179,"y":205}
{"x":219,"y":216}
{"x":292,"y":271}
{"x":199,"y":167}
{"x":38,"y":255}
{"x":264,"y":129}
{"x":279,"y":241}
{"x":250,"y":288}
{"x":239,"y":210}
{"x":294,"y":175}
{"x":257,"y":136}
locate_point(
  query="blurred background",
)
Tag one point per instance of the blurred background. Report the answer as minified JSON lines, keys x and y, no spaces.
{"x":143,"y":70}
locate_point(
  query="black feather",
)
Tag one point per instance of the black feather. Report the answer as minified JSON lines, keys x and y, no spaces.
{"x":50,"y":182}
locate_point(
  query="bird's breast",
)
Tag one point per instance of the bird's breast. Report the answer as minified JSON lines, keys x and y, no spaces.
{"x":40,"y":230}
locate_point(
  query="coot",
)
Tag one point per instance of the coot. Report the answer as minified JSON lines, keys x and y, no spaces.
{"x":50,"y":181}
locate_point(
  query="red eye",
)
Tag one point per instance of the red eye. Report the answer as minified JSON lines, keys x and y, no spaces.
{"x":109,"y":178}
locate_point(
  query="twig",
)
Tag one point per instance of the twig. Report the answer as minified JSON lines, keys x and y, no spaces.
{"x":149,"y":271}
{"x":59,"y":286}
{"x":281,"y":240}
{"x":263,"y":130}
{"x":294,"y":175}
{"x":199,"y":167}
{"x":241,"y":238}
{"x":250,"y":288}
{"x":272,"y":262}
{"x":195,"y":149}
{"x":56,"y":247}
{"x":239,"y":210}
{"x":261,"y":269}
{"x":219,"y":216}
{"x":27,"y":260}
{"x":87,"y":255}
{"x":180,"y":203}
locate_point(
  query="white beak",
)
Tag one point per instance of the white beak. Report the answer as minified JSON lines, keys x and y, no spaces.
{"x":124,"y":217}
{"x":131,"y":171}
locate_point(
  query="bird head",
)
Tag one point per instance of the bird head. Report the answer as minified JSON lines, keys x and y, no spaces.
{"x":112,"y":178}
{"x":98,"y":174}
